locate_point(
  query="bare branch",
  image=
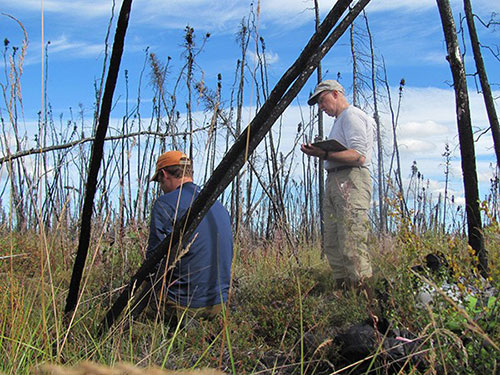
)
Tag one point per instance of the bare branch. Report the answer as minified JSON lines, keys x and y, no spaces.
{"x":33,"y":151}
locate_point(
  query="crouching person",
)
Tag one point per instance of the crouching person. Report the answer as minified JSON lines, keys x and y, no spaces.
{"x":198,"y":285}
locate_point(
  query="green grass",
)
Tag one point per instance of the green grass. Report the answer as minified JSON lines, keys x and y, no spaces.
{"x":281,"y":319}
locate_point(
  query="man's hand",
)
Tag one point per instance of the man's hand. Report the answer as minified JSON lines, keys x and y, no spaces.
{"x":311,"y":150}
{"x":349,"y":156}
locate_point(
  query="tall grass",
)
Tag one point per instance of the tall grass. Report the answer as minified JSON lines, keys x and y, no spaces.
{"x":283,"y":315}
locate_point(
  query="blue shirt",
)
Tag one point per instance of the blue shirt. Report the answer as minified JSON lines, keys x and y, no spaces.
{"x":201,"y":277}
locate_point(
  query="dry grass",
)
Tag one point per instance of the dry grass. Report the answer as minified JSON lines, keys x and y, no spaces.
{"x":89,"y":368}
{"x":283,"y":315}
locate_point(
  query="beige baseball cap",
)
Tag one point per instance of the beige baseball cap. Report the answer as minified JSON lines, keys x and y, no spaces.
{"x":328,"y":85}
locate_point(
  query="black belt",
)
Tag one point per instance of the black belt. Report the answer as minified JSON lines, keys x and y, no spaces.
{"x":341,"y":168}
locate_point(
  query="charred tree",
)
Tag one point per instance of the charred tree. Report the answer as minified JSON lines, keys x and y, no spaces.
{"x":321,"y":172}
{"x":483,"y":79}
{"x":96,"y":157}
{"x":354,"y":56}
{"x":465,"y":135}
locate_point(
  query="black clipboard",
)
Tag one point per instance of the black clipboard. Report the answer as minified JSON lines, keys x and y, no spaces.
{"x":330,"y":145}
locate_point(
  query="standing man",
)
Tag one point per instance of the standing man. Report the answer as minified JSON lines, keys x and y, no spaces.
{"x":199,"y":283}
{"x":348,"y":186}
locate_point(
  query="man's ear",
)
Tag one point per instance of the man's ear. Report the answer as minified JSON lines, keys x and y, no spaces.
{"x":161,"y":173}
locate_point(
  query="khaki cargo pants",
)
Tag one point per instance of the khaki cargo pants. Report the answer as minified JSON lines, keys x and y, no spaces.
{"x":346,"y":225}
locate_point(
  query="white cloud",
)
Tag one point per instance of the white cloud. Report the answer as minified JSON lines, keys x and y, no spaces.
{"x":407,"y":5}
{"x":217,"y":14}
{"x":9,"y":141}
{"x":422,"y":129}
{"x":458,"y":200}
{"x":485,"y":176}
{"x":271,"y":57}
{"x":74,"y":48}
{"x":427,"y":104}
{"x":90,"y":9}
{"x":79,"y":8}
{"x":223,"y":16}
{"x":455,"y":169}
{"x":417,"y":147}
{"x":419,"y":5}
{"x":435,"y":110}
{"x":200,"y":14}
{"x":434,"y":57}
{"x":427,"y":122}
{"x":484,"y":146}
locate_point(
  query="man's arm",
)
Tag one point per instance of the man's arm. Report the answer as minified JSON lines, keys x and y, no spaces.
{"x":349,"y":156}
{"x":355,"y":132}
{"x":160,"y":225}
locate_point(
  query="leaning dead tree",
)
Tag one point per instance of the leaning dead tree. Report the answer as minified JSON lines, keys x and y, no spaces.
{"x":281,"y":96}
{"x":483,"y":79}
{"x":465,"y":135}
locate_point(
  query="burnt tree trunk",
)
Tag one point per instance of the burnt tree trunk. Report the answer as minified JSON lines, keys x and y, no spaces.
{"x":96,"y":157}
{"x":321,"y":169}
{"x":465,"y":135}
{"x":483,"y":79}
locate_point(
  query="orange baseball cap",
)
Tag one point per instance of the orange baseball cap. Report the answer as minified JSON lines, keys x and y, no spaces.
{"x":169,"y":159}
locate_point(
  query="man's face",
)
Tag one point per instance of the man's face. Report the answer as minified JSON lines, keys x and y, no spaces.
{"x":328,"y":102}
{"x":166,"y":182}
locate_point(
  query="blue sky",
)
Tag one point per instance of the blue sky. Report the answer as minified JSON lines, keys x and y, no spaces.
{"x":407,"y":34}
